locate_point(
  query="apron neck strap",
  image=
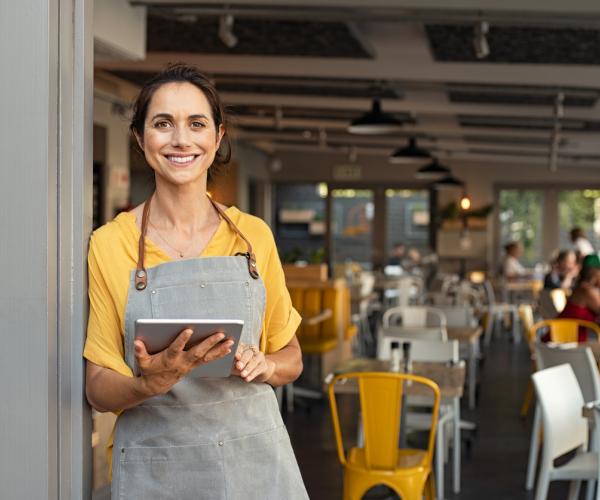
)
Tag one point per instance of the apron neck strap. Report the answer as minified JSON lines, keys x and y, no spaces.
{"x":141,"y":276}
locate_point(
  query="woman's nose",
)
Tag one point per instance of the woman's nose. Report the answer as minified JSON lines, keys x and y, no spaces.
{"x":181,"y":137}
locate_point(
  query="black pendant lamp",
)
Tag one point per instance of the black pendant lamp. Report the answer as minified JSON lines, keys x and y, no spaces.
{"x":449,"y":182}
{"x":375,"y":122}
{"x":434,"y":170}
{"x":410,"y":153}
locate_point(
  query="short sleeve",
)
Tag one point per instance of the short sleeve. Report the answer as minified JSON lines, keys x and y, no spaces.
{"x":281,"y":319}
{"x":104,"y":342}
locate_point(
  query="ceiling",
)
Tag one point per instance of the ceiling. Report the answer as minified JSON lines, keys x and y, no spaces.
{"x":302,"y":70}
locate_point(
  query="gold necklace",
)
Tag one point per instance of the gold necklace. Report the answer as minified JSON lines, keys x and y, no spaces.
{"x":179,"y":252}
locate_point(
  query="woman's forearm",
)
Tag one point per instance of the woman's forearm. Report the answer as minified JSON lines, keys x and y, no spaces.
{"x":107,"y":390}
{"x":288,"y":364}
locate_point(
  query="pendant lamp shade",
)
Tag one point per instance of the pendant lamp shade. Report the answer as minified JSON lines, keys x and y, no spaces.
{"x":375,"y":122}
{"x":449,"y":182}
{"x":433,"y":170}
{"x":410,"y":153}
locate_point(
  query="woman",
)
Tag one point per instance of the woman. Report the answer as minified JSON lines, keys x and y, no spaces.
{"x":584,"y":302}
{"x":182,"y":255}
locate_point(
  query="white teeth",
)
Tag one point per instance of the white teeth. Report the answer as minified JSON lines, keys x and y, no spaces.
{"x":180,"y":159}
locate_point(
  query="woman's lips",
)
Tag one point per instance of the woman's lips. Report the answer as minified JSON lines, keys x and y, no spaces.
{"x":181,"y":161}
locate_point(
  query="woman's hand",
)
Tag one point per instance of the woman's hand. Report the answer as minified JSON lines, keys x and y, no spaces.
{"x":161,"y":371}
{"x":252,"y":365}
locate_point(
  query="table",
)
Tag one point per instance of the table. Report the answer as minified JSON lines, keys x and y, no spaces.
{"x":466,"y":335}
{"x":450,"y":380}
{"x":532,"y":286}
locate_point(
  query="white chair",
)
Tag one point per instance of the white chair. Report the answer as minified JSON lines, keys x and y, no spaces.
{"x":414,"y":316}
{"x":496,"y":311}
{"x":458,"y":316}
{"x":436,"y":352}
{"x":584,"y":366}
{"x":565,"y":430}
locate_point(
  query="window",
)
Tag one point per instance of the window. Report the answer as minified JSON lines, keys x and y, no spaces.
{"x":579,"y":208}
{"x":521,"y":220}
{"x":352,"y":226}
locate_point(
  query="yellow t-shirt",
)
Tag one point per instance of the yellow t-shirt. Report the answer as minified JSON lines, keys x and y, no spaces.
{"x":113,"y":255}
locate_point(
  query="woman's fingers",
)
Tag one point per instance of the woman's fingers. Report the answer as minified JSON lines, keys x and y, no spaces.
{"x":251,"y":366}
{"x":245,"y":357}
{"x":198,"y":353}
{"x":178,"y":345}
{"x":218,"y":351}
{"x":141,"y":353}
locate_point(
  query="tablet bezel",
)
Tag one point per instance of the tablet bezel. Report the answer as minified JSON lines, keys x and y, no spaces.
{"x":158,"y":333}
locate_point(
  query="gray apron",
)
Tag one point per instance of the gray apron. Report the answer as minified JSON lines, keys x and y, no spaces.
{"x":206,"y":438}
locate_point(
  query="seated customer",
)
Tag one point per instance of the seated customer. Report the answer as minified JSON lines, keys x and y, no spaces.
{"x":584,"y":302}
{"x":564,"y":271}
{"x":512,"y":269}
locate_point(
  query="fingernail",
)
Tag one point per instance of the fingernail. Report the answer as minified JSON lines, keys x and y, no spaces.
{"x":244,"y":373}
{"x":221,"y":336}
{"x":240,"y":366}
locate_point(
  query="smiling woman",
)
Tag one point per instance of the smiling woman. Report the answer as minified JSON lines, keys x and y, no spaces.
{"x":182,"y":255}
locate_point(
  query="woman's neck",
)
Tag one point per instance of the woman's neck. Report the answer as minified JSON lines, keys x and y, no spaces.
{"x":184,"y":208}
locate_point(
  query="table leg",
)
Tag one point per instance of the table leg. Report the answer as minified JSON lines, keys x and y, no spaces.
{"x":472,"y":372}
{"x":456,"y":460}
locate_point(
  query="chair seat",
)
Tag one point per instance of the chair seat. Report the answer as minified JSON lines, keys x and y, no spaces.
{"x":317,"y":345}
{"x":583,"y":465}
{"x":410,"y":461}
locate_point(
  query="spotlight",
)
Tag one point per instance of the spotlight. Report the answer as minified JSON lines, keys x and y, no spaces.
{"x":226,"y":31}
{"x":480,"y":42}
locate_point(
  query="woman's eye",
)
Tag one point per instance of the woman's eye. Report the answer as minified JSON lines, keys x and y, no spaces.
{"x":162,"y":124}
{"x":198,"y":125}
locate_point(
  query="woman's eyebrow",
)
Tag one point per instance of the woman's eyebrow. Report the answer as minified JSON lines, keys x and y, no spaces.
{"x":170,"y":117}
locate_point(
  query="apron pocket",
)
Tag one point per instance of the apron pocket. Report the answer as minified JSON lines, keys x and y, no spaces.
{"x":174,"y":472}
{"x":263,"y":467}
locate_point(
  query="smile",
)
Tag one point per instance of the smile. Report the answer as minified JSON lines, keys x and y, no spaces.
{"x":181,"y":160}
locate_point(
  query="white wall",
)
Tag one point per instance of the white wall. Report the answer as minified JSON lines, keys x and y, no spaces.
{"x":119,"y":30}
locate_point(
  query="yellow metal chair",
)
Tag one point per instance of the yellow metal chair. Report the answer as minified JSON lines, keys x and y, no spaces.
{"x":563,"y":330}
{"x":406,"y":471}
{"x":526,"y":317}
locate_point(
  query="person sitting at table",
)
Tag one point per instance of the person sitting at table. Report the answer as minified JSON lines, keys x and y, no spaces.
{"x":564,"y":271}
{"x":512,"y":269}
{"x":397,"y":255}
{"x":584,"y":302}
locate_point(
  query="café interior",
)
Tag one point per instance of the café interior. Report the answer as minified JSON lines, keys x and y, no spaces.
{"x":405,"y":154}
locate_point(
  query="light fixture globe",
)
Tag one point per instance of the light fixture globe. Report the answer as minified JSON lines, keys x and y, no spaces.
{"x":449,"y":182}
{"x":434,"y":170}
{"x":410,"y":153}
{"x":375,"y":122}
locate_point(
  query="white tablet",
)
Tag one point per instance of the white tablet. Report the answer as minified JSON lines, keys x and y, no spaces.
{"x":158,"y":334}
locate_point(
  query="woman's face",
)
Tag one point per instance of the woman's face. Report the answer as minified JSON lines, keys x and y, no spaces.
{"x":180,"y":138}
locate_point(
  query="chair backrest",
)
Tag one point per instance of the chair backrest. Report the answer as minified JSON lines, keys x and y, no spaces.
{"x":560,"y":399}
{"x":381,"y":409}
{"x":457,"y":316}
{"x":582,"y":362}
{"x":410,"y":288}
{"x":564,"y":330}
{"x":416,"y":333}
{"x":526,"y":317}
{"x":547,"y":308}
{"x":414,"y":316}
{"x":422,"y":350}
{"x":488,"y":290}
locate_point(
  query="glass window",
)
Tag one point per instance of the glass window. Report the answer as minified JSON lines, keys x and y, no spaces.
{"x":352,"y":226}
{"x":521,"y":220}
{"x":579,"y":208}
{"x":300,"y":222}
{"x":407,"y":219}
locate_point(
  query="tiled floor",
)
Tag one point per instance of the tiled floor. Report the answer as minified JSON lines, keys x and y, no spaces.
{"x":494,"y":469}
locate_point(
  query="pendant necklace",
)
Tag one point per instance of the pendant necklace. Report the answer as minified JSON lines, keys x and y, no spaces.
{"x":181,"y":253}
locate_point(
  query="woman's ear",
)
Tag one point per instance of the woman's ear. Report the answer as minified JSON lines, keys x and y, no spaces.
{"x":220,"y":134}
{"x":139,"y":141}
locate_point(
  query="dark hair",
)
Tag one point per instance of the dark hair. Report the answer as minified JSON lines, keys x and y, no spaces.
{"x":587,"y":273}
{"x":563,"y":254}
{"x":184,"y":73}
{"x":576,"y":233}
{"x":511,"y":245}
